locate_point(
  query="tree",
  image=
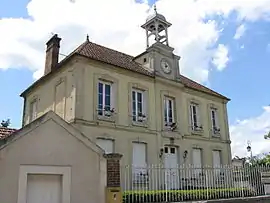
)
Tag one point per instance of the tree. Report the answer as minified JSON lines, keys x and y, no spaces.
{"x":261,"y":160}
{"x":267,"y":136}
{"x":5,"y":123}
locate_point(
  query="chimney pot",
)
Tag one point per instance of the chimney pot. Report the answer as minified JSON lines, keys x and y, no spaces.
{"x":52,"y":54}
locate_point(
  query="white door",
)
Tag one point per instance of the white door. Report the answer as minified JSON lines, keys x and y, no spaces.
{"x":139,"y":169}
{"x":106,"y":145}
{"x":171,"y":168}
{"x":44,"y":189}
{"x":197,"y":161}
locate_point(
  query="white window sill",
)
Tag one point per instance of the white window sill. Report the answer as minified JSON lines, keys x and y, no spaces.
{"x":106,"y":118}
{"x":197,"y":131}
{"x":140,"y":124}
{"x":216,"y":135}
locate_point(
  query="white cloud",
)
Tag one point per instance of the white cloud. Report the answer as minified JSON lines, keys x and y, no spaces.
{"x":240,"y":31}
{"x":221,"y":57}
{"x":117,"y":24}
{"x":252,"y":129}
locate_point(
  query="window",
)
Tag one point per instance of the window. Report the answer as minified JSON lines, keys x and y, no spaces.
{"x":194,"y":117}
{"x":168,"y":111}
{"x":33,"y":110}
{"x":138,"y":110}
{"x":214,"y":121}
{"x":106,"y":144}
{"x":105,"y":99}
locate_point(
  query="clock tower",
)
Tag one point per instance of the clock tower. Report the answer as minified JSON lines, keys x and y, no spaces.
{"x":159,"y":57}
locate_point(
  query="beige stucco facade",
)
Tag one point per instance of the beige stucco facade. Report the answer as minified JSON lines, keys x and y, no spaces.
{"x":51,"y":146}
{"x":76,"y":102}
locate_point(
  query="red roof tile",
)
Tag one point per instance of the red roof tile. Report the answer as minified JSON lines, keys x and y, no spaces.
{"x":5,"y":132}
{"x":110,"y":56}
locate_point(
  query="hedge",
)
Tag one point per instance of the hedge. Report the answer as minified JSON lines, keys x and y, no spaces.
{"x":183,"y":195}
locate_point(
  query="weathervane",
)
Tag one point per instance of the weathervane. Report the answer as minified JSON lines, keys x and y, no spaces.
{"x":155,"y":8}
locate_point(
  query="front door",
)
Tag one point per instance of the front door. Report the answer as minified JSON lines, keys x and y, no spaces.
{"x":171,"y":167}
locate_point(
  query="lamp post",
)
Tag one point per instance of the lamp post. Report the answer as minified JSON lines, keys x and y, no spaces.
{"x":249,"y":149}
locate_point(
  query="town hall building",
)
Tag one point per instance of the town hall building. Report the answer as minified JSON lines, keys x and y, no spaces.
{"x":141,"y":107}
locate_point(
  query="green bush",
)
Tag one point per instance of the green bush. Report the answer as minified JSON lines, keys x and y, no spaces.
{"x":183,"y":195}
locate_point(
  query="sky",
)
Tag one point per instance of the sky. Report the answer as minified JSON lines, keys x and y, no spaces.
{"x":223,"y":44}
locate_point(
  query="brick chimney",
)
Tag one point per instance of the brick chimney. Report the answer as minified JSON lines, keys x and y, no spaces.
{"x":52,"y":54}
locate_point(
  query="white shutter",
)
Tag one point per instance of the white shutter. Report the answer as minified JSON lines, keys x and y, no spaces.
{"x":139,"y":163}
{"x":139,"y":154}
{"x":106,"y":145}
{"x":197,"y":157}
{"x":197,"y":160}
{"x":216,"y":159}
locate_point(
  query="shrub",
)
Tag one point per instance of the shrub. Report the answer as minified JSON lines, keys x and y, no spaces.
{"x":183,"y":195}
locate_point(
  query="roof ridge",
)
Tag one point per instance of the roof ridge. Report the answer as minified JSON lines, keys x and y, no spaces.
{"x":102,"y":46}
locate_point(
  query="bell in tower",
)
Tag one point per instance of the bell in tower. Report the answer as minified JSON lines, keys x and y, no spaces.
{"x":157,"y":26}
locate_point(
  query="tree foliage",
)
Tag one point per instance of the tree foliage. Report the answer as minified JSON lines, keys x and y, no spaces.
{"x":261,"y":160}
{"x":5,"y":123}
{"x":267,"y":136}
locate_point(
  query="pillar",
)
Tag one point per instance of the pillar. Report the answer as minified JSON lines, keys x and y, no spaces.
{"x":113,"y":190}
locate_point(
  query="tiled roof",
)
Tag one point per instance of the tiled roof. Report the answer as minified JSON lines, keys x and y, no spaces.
{"x":5,"y":132}
{"x":106,"y":55}
{"x":110,"y":56}
{"x":113,"y":57}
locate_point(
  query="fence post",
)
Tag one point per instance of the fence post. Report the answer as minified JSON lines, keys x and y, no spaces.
{"x":113,"y":189}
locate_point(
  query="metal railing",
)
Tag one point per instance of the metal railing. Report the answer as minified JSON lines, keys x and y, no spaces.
{"x":156,"y":183}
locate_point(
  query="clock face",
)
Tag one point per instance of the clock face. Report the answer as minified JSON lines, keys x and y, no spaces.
{"x":165,"y":66}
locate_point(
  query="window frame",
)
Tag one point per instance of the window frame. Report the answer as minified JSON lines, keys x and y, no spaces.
{"x":145,"y":106}
{"x":135,"y":117}
{"x":103,"y":109}
{"x":214,"y":127}
{"x":99,"y":77}
{"x":166,"y":110}
{"x":195,"y":126}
